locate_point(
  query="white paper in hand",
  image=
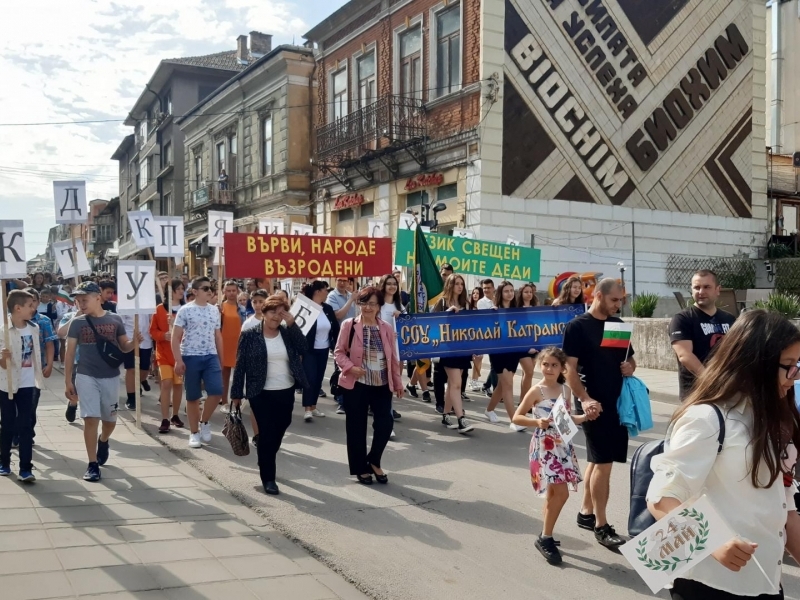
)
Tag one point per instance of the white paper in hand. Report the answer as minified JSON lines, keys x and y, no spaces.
{"x":676,"y":543}
{"x":562,"y":421}
{"x":305,"y":313}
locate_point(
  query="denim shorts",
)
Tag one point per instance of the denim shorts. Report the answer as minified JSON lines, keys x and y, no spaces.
{"x":202,"y":369}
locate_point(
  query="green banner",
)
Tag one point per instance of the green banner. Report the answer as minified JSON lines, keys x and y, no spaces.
{"x":473,"y":257}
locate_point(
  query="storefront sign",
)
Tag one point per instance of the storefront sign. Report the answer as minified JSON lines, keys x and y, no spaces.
{"x":347,"y":201}
{"x":424,"y":180}
{"x":473,"y":257}
{"x":253,"y":255}
{"x":468,"y":332}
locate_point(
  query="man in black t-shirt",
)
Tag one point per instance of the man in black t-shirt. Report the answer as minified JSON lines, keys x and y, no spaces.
{"x":696,"y":330}
{"x":595,"y":374}
{"x":107,"y":290}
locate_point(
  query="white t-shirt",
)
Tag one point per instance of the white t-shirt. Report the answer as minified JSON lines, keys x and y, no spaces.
{"x":199,"y":324}
{"x":323,"y":332}
{"x":27,"y":377}
{"x":387,"y":314}
{"x":484,"y":303}
{"x":279,"y":375}
{"x":144,"y":329}
{"x":251,"y":323}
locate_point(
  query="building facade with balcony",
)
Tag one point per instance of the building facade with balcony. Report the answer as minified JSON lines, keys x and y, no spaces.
{"x":256,"y":129}
{"x":103,"y":237}
{"x":397,"y":122}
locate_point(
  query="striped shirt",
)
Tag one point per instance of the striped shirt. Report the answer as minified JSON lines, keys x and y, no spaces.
{"x":374,"y":361}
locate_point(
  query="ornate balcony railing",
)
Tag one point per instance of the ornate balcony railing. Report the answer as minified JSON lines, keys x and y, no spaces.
{"x":390,"y":122}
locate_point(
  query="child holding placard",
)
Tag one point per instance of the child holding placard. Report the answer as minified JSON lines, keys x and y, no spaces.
{"x":553,"y":463}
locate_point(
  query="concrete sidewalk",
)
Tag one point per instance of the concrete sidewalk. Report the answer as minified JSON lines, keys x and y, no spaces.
{"x":153,"y":528}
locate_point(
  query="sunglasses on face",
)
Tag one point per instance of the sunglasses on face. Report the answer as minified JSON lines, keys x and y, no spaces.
{"x":205,"y":288}
{"x":792,"y":371}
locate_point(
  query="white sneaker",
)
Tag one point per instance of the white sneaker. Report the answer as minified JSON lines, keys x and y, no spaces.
{"x":475,"y":385}
{"x":515,"y":427}
{"x":491,"y":415}
{"x":340,"y":410}
{"x":391,"y":436}
{"x":308,"y":416}
{"x":205,"y":432}
{"x":318,"y":413}
{"x":194,"y":440}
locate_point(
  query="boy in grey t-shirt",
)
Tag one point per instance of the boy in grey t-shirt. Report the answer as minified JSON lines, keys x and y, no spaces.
{"x":97,"y":383}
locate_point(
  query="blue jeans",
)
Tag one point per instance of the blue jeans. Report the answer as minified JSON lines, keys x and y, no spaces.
{"x":16,"y":418}
{"x":314,"y":363}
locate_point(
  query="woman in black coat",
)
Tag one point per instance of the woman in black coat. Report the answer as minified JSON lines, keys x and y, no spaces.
{"x":320,"y":340}
{"x":269,"y":365}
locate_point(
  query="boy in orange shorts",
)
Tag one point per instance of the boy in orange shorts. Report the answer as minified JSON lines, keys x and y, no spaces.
{"x":161,"y":332}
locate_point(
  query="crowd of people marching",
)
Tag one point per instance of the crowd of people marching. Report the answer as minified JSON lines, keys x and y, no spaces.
{"x":221,"y":345}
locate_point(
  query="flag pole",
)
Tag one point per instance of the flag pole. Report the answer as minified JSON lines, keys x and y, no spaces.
{"x":6,"y":342}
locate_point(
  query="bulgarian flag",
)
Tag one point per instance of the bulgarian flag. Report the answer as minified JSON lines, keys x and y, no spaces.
{"x":617,"y":335}
{"x":64,"y":297}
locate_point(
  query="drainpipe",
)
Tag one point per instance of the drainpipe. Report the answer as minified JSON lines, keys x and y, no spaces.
{"x":776,"y":56}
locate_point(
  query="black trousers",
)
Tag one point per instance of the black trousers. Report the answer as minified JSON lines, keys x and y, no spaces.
{"x":686,"y":589}
{"x":16,"y":418}
{"x":273,"y":412}
{"x":439,"y":380}
{"x":357,"y":402}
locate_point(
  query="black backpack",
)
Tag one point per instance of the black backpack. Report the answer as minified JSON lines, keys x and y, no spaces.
{"x":640,"y":518}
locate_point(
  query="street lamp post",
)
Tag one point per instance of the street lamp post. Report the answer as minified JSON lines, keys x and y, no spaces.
{"x":621,"y":266}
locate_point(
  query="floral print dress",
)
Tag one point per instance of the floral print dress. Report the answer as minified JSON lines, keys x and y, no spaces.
{"x":551,"y":459}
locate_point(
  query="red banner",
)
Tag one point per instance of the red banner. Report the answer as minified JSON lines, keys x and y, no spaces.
{"x":253,"y":255}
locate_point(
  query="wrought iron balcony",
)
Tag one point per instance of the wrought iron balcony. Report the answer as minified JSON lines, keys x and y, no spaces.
{"x":390,"y":123}
{"x":210,"y":196}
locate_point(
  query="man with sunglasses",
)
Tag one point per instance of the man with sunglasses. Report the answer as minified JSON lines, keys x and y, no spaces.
{"x":197,"y":347}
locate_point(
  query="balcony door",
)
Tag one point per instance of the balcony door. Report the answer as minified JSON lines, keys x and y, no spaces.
{"x":367,"y":96}
{"x":411,"y":63}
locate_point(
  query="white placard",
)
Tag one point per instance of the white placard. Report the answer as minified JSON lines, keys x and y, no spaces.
{"x":12,"y":250}
{"x":677,"y":542}
{"x":406,"y":221}
{"x":376,"y":228}
{"x":168,"y":237}
{"x":219,"y":223}
{"x":142,"y":230}
{"x":512,"y":241}
{"x":562,"y":421}
{"x":136,"y":287}
{"x":271,"y":226}
{"x":287,"y":285}
{"x":301,"y":229}
{"x":467,"y":234}
{"x":69,"y":200}
{"x":66,"y":259}
{"x":305,"y":312}
{"x":425,"y":228}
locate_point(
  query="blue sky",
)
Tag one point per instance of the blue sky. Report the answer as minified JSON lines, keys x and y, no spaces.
{"x":89,"y":60}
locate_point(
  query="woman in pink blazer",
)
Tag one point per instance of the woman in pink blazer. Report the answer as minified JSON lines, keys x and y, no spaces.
{"x":366,"y":354}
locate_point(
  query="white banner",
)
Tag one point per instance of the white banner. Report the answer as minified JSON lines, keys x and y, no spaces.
{"x":467,"y":234}
{"x":142,"y":228}
{"x":376,"y":228}
{"x":136,"y":287}
{"x":219,"y":223}
{"x":301,"y":229}
{"x":562,"y":421}
{"x":168,"y":237}
{"x":69,"y":199}
{"x":270,"y":226}
{"x":305,"y":312}
{"x":677,"y":542}
{"x":66,"y":259}
{"x":12,"y":250}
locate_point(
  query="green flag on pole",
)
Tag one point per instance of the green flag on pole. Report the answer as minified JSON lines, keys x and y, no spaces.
{"x":426,"y":282}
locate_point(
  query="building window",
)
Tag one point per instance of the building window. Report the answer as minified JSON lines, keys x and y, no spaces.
{"x":168,"y":104}
{"x":143,"y":174}
{"x":198,"y":171}
{"x":168,"y":209}
{"x":94,"y":234}
{"x":167,"y":154}
{"x":448,"y":50}
{"x":130,"y":173}
{"x":368,"y":210}
{"x":346,"y":214}
{"x":266,"y":146}
{"x":220,"y":157}
{"x":143,"y":128}
{"x":416,"y":199}
{"x":411,"y":63}
{"x":366,"y":80}
{"x":340,"y":94}
{"x":446,"y":192}
{"x":234,"y":145}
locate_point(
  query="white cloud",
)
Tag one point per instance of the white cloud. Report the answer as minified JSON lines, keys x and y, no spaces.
{"x":85,"y":60}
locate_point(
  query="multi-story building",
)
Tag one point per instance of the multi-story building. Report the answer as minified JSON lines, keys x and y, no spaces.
{"x":256,"y":130}
{"x":103,"y":236}
{"x":397,"y":122}
{"x":151,"y":160}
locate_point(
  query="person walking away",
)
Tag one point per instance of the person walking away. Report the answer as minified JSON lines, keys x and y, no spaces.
{"x":695,"y":331}
{"x":750,"y":379}
{"x":96,"y":382}
{"x":23,"y":360}
{"x":454,"y":299}
{"x":553,"y":462}
{"x":197,"y":348}
{"x":504,"y":364}
{"x":47,"y":341}
{"x":320,"y":339}
{"x":269,"y":365}
{"x":594,"y":373}
{"x":391,"y":308}
{"x":161,"y":332}
{"x":343,"y":303}
{"x":487,"y":303}
{"x":145,"y":356}
{"x":526,"y":298}
{"x":231,"y":326}
{"x":366,"y":353}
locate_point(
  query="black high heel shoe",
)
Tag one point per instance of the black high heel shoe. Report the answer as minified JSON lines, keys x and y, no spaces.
{"x":381,"y":478}
{"x":364,"y":480}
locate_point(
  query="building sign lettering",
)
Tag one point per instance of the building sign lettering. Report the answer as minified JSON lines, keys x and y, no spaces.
{"x":424,"y":180}
{"x":348,"y":201}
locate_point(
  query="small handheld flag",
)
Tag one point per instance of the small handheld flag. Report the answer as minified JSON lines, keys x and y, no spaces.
{"x":617,"y":335}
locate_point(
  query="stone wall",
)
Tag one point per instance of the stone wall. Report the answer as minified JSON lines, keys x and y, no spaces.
{"x":651,"y":344}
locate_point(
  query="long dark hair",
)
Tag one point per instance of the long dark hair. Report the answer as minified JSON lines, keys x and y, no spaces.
{"x":473,"y":304}
{"x":745,"y":364}
{"x":396,"y":298}
{"x":309,"y":289}
{"x":534,"y":297}
{"x":564,"y":294}
{"x":449,"y":292}
{"x":175,"y":284}
{"x":498,"y":295}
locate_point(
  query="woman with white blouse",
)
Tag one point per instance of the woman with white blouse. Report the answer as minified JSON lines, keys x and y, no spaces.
{"x":750,"y":378}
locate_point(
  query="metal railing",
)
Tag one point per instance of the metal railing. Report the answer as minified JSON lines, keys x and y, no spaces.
{"x":391,"y":120}
{"x":211,"y":194}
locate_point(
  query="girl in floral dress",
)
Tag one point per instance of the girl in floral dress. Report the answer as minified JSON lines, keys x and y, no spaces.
{"x":554,"y":466}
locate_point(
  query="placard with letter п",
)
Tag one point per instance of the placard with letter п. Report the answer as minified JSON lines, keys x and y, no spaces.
{"x":12,"y":250}
{"x":69,"y":200}
{"x":168,"y":237}
{"x":288,"y":256}
{"x":305,"y":312}
{"x":136,"y":287}
{"x":473,"y":257}
{"x":468,"y":332}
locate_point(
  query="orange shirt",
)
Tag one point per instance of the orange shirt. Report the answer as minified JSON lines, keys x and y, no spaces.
{"x":158,"y":327}
{"x":231,"y":328}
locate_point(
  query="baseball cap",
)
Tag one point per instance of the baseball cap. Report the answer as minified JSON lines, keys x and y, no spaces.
{"x":87,"y":287}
